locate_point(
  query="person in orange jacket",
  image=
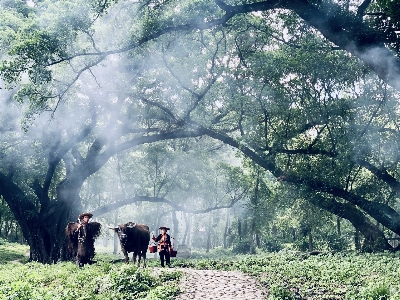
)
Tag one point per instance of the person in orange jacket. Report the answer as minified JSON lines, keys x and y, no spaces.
{"x":164,"y":246}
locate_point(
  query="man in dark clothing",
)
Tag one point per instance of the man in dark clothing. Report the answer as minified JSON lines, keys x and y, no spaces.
{"x":81,"y":236}
{"x":164,"y":246}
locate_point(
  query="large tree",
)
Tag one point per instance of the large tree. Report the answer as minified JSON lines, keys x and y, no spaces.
{"x":275,"y":79}
{"x":41,"y":178}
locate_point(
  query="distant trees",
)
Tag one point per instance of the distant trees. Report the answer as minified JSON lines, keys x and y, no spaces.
{"x":182,"y":177}
{"x":9,"y":228}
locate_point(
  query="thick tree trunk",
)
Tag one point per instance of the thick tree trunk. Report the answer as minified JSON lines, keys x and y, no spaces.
{"x":186,"y":227}
{"x":115,"y":237}
{"x":258,"y":241}
{"x":44,"y":229}
{"x":185,"y":240}
{"x":240,"y":229}
{"x":251,"y":249}
{"x":374,"y":239}
{"x":226,"y":229}
{"x":209,"y":234}
{"x":46,"y":237}
{"x":274,"y":231}
{"x":189,"y":232}
{"x":175,"y":221}
{"x":357,"y":240}
{"x":310,"y":240}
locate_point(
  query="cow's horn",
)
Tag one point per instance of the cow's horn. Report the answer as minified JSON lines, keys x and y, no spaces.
{"x":131,"y":225}
{"x":113,"y":228}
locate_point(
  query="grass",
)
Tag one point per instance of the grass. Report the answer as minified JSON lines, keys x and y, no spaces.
{"x":290,"y":275}
{"x":287,"y":275}
{"x":11,"y":252}
{"x":64,"y":280}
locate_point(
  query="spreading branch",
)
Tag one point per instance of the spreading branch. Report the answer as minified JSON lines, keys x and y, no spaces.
{"x":344,"y":29}
{"x":112,"y":206}
{"x":381,"y":212}
{"x":382,"y":174}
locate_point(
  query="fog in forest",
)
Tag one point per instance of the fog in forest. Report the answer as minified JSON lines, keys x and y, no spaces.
{"x":239,"y":137}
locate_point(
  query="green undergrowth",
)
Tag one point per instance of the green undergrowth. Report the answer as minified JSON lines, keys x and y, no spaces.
{"x":215,"y":253}
{"x":291,"y":275}
{"x":12,"y":252}
{"x":286,"y":275}
{"x":103,"y":280}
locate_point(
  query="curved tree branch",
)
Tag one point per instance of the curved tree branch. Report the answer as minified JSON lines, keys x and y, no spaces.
{"x":362,"y":8}
{"x":381,"y":212}
{"x":348,"y":211}
{"x":57,"y":154}
{"x":112,"y":206}
{"x":95,"y":159}
{"x":381,"y":174}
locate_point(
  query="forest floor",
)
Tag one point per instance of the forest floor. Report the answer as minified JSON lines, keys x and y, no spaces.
{"x":217,"y":284}
{"x":282,"y":275}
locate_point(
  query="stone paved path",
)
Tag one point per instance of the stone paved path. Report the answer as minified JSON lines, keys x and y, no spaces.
{"x":212,"y":284}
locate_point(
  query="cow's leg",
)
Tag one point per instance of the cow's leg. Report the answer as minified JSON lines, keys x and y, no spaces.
{"x":126,"y":256}
{"x":134,"y":256}
{"x":140,"y":256}
{"x":80,"y":261}
{"x":144,"y":258}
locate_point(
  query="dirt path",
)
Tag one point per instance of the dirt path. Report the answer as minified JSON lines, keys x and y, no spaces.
{"x":212,"y":284}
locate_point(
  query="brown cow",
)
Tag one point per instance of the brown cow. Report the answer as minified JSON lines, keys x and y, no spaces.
{"x":81,"y":241}
{"x":133,"y":238}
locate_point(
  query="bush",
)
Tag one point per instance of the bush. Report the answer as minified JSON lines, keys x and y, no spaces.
{"x":376,"y":291}
{"x":278,"y":292}
{"x":165,"y":292}
{"x":243,"y":247}
{"x":337,"y":242}
{"x":216,"y":253}
{"x":272,"y":246}
{"x":301,"y":244}
{"x":132,"y":282}
{"x":101,"y":281}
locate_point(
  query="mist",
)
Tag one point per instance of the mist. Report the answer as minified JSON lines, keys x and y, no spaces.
{"x":201,"y":131}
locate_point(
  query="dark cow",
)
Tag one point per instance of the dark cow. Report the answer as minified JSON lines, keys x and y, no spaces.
{"x":133,"y":238}
{"x":81,"y":241}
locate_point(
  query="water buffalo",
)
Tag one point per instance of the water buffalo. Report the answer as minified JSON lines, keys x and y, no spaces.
{"x":133,"y":238}
{"x":81,"y":241}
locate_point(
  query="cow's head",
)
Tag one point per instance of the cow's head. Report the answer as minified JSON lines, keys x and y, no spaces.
{"x":122,"y":231}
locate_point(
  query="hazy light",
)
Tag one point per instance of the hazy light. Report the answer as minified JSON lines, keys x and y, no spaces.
{"x":219,"y":104}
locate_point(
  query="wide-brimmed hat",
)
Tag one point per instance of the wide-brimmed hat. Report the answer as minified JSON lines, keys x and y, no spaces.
{"x":85,"y":214}
{"x":163,"y":227}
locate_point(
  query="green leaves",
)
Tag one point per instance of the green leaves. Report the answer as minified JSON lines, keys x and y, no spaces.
{"x":295,"y":275}
{"x":101,"y":281}
{"x":48,"y":37}
{"x":385,"y":17}
{"x":35,"y":52}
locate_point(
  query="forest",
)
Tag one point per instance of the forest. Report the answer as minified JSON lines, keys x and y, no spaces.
{"x":245,"y":126}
